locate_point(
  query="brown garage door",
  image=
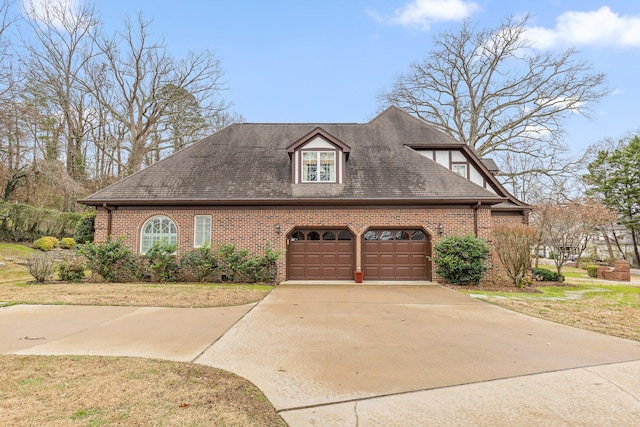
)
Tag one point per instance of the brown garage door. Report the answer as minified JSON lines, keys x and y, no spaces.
{"x":396,"y":254}
{"x":320,"y":254}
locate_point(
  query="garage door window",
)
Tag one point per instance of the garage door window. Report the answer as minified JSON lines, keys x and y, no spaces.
{"x":329,"y":235}
{"x":394,"y":235}
{"x":344,"y":235}
{"x":417,"y":235}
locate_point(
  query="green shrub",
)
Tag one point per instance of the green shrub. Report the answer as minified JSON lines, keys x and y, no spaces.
{"x":71,"y":272}
{"x":68,"y":243}
{"x":107,"y":259}
{"x":199,"y":262}
{"x":41,"y":266}
{"x":461,"y":260}
{"x":138,"y":267}
{"x":46,"y":243}
{"x":231,"y":262}
{"x":544,"y":275}
{"x":162,"y":260}
{"x":263,"y":268}
{"x":84,"y":230}
{"x":238,"y":265}
{"x":592,"y":270}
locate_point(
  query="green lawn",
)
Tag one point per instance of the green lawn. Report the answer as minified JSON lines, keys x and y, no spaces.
{"x":8,"y":250}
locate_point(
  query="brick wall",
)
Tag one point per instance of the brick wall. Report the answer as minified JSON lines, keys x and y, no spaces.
{"x":253,"y":228}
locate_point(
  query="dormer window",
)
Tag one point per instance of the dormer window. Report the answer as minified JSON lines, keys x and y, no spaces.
{"x":460,"y":169}
{"x":318,"y":157}
{"x":318,"y":166}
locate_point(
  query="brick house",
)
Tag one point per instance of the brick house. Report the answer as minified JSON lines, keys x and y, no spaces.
{"x":335,"y":198}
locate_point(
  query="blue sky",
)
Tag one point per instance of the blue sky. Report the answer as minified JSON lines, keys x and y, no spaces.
{"x":325,"y":60}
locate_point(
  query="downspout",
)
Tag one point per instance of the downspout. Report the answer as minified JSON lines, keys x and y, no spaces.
{"x":475,"y":219}
{"x":109,"y":218}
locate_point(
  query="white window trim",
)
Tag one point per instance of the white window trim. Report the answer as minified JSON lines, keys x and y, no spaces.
{"x":317,"y":152}
{"x":142,"y":251}
{"x":195,"y":231}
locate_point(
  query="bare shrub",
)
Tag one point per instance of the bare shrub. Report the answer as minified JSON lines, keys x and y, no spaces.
{"x":513,"y":243}
{"x":41,"y":266}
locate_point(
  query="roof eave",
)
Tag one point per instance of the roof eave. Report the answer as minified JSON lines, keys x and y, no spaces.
{"x":292,"y":202}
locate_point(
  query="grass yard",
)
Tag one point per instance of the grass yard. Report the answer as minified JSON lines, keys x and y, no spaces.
{"x":101,"y":391}
{"x":133,"y":294}
{"x":607,"y":307}
{"x":12,"y":257}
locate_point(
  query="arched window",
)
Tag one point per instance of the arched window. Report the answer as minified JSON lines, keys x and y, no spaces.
{"x":156,"y":229}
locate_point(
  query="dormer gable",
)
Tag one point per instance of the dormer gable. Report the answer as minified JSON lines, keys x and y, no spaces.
{"x":318,"y":158}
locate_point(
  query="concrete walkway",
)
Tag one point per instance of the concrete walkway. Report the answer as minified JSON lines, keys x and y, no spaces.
{"x":358,"y":355}
{"x":179,"y":334}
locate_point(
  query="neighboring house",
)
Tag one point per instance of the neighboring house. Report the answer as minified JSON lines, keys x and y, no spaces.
{"x":335,"y":198}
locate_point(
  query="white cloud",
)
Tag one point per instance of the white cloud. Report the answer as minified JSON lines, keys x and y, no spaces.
{"x":422,"y":13}
{"x":535,"y":132}
{"x":602,"y":27}
{"x":51,"y":10}
{"x":561,"y":103}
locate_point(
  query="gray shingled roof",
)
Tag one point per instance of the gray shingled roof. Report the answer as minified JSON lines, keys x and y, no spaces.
{"x":249,"y":162}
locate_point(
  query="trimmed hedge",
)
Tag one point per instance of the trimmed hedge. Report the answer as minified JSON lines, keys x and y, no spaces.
{"x":68,"y":243}
{"x":544,"y":275}
{"x":592,"y":270}
{"x":46,"y":243}
{"x":20,"y":222}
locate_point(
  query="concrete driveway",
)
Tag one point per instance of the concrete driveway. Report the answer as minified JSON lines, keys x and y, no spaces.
{"x":425,"y":355}
{"x":367,"y":355}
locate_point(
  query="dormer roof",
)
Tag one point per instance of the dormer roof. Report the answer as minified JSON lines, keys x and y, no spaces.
{"x":319,"y":132}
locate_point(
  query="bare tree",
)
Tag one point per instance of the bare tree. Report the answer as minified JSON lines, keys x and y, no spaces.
{"x":137,"y":71}
{"x":6,"y":73}
{"x":60,"y":47}
{"x":568,"y":227}
{"x":489,"y":89}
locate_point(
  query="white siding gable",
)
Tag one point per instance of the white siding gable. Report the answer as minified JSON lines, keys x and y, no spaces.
{"x":447,"y":157}
{"x":318,"y":142}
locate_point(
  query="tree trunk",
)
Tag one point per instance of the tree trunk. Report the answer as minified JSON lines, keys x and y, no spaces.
{"x":634,"y":238}
{"x":608,"y":243}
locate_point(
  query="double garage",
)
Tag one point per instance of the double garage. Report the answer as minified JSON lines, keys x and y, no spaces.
{"x":330,"y":254}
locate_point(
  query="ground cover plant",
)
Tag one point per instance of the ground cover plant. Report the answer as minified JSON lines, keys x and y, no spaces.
{"x":100,"y":391}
